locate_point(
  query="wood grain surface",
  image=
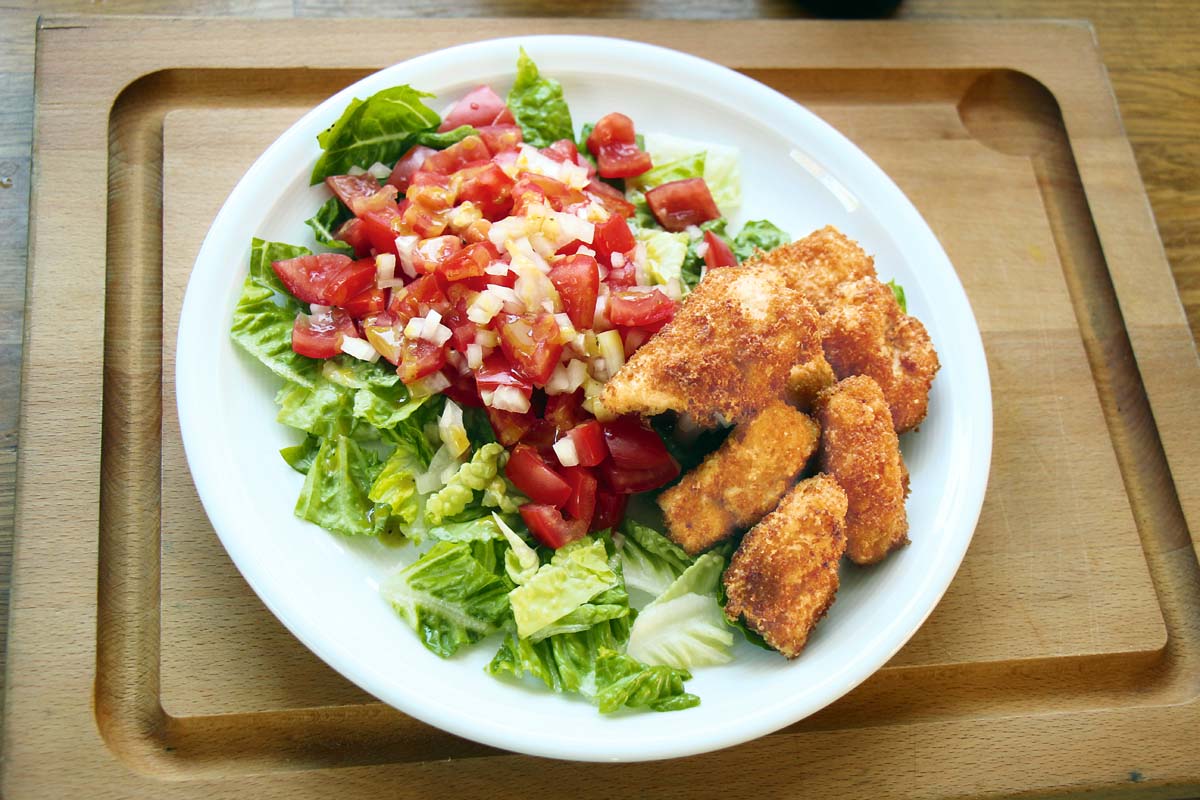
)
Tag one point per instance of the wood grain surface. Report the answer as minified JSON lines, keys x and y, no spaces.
{"x":1152,"y":51}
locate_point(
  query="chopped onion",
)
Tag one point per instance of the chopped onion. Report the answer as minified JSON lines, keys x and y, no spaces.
{"x":414,"y":328}
{"x":510,"y":398}
{"x":586,"y":251}
{"x":429,"y":329}
{"x":385,"y":272}
{"x":451,"y":429}
{"x":487,"y":339}
{"x":702,"y":249}
{"x":601,"y":318}
{"x":355,"y":169}
{"x":359,"y":348}
{"x":441,"y":335}
{"x":694,"y":232}
{"x":566,"y":327}
{"x":559,"y":382}
{"x":565,"y":450}
{"x":485,"y":306}
{"x":673,"y":289}
{"x":380,"y":171}
{"x":576,"y":374}
{"x":474,"y":356}
{"x":443,"y":460}
{"x":613,"y":351}
{"x":405,"y":245}
{"x":317,"y":311}
{"x":498,"y":268}
{"x":429,"y":385}
{"x":617,"y":260}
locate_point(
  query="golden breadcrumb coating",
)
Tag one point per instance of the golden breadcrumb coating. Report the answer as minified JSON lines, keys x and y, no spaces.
{"x":818,"y":264}
{"x":784,"y":575}
{"x":726,"y":354}
{"x":860,"y":449}
{"x":806,"y":380}
{"x":866,"y":333}
{"x":742,"y":480}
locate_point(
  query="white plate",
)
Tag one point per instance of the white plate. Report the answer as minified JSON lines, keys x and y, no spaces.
{"x":799,"y":173}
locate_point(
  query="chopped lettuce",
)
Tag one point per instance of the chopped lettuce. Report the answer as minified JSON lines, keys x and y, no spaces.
{"x":684,"y":627}
{"x":335,"y":493}
{"x":379,"y":129}
{"x":442,"y":140}
{"x":566,"y":662}
{"x":479,"y":529}
{"x":263,"y":328}
{"x":300,"y":457}
{"x":650,"y":561}
{"x":757,"y":234}
{"x":354,"y":373}
{"x":386,"y":406}
{"x":324,"y":409}
{"x":665,"y":253}
{"x":624,"y":682}
{"x":538,"y":105}
{"x":576,"y":573}
{"x":721,"y":169}
{"x":898,"y":292}
{"x":475,"y":475}
{"x":521,"y":561}
{"x":396,"y":487}
{"x":325,"y":224}
{"x":452,"y":595}
{"x":262,"y":255}
{"x":677,"y":169}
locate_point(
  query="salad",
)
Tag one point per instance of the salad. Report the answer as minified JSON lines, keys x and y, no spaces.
{"x":474,"y":280}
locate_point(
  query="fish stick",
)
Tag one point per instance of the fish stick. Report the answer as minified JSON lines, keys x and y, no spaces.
{"x":742,"y":480}
{"x":784,"y":576}
{"x":866,"y":333}
{"x":817,"y":265}
{"x":860,"y":449}
{"x":805,"y":381}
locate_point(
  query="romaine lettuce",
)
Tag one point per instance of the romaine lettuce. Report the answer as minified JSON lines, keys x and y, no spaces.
{"x":757,"y":234}
{"x":324,"y":409}
{"x":263,"y":328}
{"x":665,"y":253}
{"x":325,"y":224}
{"x":650,"y":561}
{"x":721,"y":170}
{"x":301,"y":456}
{"x":624,"y":682}
{"x":396,"y":488}
{"x":684,"y":627}
{"x":452,"y":595}
{"x":379,"y":129}
{"x":898,"y":293}
{"x":576,"y":573}
{"x":538,"y":105}
{"x":335,"y":493}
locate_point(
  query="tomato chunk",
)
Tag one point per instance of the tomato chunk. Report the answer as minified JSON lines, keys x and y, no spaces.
{"x":718,"y":253}
{"x":381,"y":331}
{"x":638,"y":459}
{"x":577,"y":279}
{"x":640,"y":309}
{"x":480,"y":106}
{"x":610,"y":510}
{"x":382,"y":227}
{"x":530,"y":341}
{"x":488,"y":187}
{"x":353,"y":232}
{"x":431,"y":253}
{"x":470,"y":150}
{"x":582,"y":503}
{"x":588,"y":439}
{"x":547,"y":525}
{"x":351,"y":188}
{"x":509,"y":426}
{"x":530,"y":473}
{"x":418,"y":359}
{"x":408,"y":165}
{"x":368,"y":301}
{"x":614,"y":144}
{"x":678,"y":204}
{"x":565,"y":411}
{"x":501,"y":138}
{"x":614,"y":236}
{"x":320,"y":335}
{"x":496,"y":372}
{"x":328,"y":279}
{"x":417,"y":298}
{"x":611,"y":198}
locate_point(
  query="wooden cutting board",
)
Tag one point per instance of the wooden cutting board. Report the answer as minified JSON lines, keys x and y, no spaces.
{"x":1064,"y":658}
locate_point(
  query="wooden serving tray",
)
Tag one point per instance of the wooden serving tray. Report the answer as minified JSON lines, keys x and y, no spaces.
{"x":1064,"y":658}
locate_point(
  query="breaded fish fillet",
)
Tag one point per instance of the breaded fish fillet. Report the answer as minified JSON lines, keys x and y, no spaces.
{"x":742,"y":480}
{"x":860,"y":449}
{"x":727,"y":352}
{"x":865,"y":333}
{"x":818,"y":264}
{"x":807,"y":380}
{"x":784,"y":575}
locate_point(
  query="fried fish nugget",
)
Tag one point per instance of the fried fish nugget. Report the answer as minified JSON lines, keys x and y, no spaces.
{"x":726,"y":353}
{"x":866,"y":333}
{"x":817,"y":264}
{"x":806,"y":381}
{"x":742,"y":480}
{"x":860,"y":449}
{"x":784,"y":575}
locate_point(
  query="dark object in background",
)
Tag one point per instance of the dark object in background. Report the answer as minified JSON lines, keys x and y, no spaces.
{"x":852,"y":9}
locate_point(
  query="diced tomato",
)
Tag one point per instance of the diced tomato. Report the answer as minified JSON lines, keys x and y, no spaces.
{"x":430,"y":197}
{"x":610,"y":510}
{"x":381,"y":331}
{"x":531,"y":187}
{"x":478,"y":107}
{"x":531,"y":343}
{"x":577,"y":279}
{"x":622,"y":277}
{"x":328,"y":279}
{"x":563,"y":151}
{"x":352,"y":188}
{"x":501,"y":138}
{"x":718,"y":253}
{"x":431,"y":253}
{"x":488,"y":187}
{"x":571,"y":247}
{"x":382,"y":227}
{"x":588,"y":439}
{"x":470,"y":150}
{"x":496,"y":372}
{"x":320,"y":335}
{"x":408,"y":165}
{"x":638,"y":460}
{"x":417,"y":298}
{"x":613,"y":236}
{"x":424,"y":179}
{"x":547,"y":525}
{"x":582,"y":503}
{"x":678,"y":204}
{"x":509,"y":426}
{"x":368,"y":301}
{"x":461,"y":389}
{"x":640,"y":309}
{"x":530,"y":473}
{"x":611,"y":198}
{"x":354,"y":233}
{"x":541,"y":437}
{"x":508,"y":279}
{"x":565,"y":411}
{"x":633,"y":338}
{"x":419,"y":358}
{"x":614,"y":144}
{"x":632,"y":481}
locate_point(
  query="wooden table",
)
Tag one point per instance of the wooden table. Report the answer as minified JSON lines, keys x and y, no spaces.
{"x":1151,"y":53}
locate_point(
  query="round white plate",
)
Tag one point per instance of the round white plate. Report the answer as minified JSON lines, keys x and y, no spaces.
{"x":798,"y":172}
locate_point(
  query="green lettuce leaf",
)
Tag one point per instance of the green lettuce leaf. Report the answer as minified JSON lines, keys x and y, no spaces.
{"x":684,"y":627}
{"x":665,"y":253}
{"x":386,"y":406}
{"x":451,"y":596}
{"x":440,"y":141}
{"x":757,"y":234}
{"x":262,"y":255}
{"x":538,"y":105}
{"x":480,"y":529}
{"x":722,"y":171}
{"x":693,"y":262}
{"x":325,"y":224}
{"x":263,"y":328}
{"x":379,"y":129}
{"x":566,"y":662}
{"x":324,"y":409}
{"x":355,"y":373}
{"x":395,"y":486}
{"x":624,"y":682}
{"x":335,"y":493}
{"x":576,"y":573}
{"x":650,"y":561}
{"x":300,"y":457}
{"x":898,"y":292}
{"x":676,"y":169}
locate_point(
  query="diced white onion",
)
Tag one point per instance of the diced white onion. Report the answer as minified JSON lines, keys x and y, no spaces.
{"x":601,"y":318}
{"x":474,"y":356}
{"x":385,"y":270}
{"x":612,"y":349}
{"x":498,"y":268}
{"x":359,"y":348}
{"x":510,"y":398}
{"x":694,"y":232}
{"x":586,"y":251}
{"x":381,"y":172}
{"x":441,"y":335}
{"x":576,"y":374}
{"x":317,"y":311}
{"x":414,"y":328}
{"x":451,"y":429}
{"x":673,"y":289}
{"x":486,"y":396}
{"x":486,"y":339}
{"x":702,"y":249}
{"x":429,"y":385}
{"x":355,"y":169}
{"x":565,"y":450}
{"x":617,"y":260}
{"x":429,"y":329}
{"x":443,"y":460}
{"x":486,"y":306}
{"x":405,"y":245}
{"x":559,"y":382}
